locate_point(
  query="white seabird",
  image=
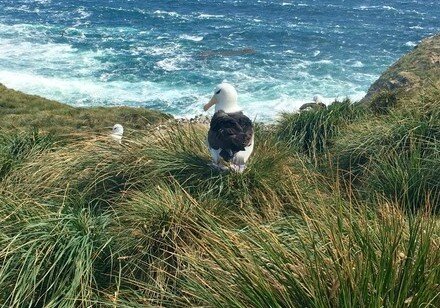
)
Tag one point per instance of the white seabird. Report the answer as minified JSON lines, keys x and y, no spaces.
{"x":314,"y":105}
{"x":117,"y":132}
{"x":231,"y":133}
{"x":318,"y":99}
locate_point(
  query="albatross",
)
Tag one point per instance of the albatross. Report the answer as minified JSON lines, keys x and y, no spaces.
{"x":231,"y":133}
{"x":117,"y":132}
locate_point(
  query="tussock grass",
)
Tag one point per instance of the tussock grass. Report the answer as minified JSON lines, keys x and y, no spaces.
{"x":396,"y":154}
{"x":352,"y":257}
{"x":311,"y":132}
{"x":382,"y":102}
{"x":16,"y":148}
{"x":85,"y":221}
{"x":50,"y":255}
{"x":411,"y":178}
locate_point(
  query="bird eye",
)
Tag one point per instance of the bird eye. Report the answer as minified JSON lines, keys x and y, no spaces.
{"x":218,"y":91}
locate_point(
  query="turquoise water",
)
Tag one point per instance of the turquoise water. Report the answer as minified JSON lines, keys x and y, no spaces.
{"x":169,"y":55}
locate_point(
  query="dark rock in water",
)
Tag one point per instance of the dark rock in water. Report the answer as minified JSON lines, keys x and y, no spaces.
{"x":313,"y":106}
{"x":411,"y":75}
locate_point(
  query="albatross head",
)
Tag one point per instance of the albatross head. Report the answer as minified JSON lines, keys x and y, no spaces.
{"x":117,"y":130}
{"x":224,"y":98}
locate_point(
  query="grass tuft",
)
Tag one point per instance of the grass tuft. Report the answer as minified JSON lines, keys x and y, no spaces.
{"x":337,"y":208}
{"x":311,"y":132}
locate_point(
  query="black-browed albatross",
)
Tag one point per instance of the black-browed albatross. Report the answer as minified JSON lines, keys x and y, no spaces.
{"x":231,"y":133}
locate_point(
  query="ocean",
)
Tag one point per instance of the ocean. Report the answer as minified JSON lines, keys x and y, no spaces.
{"x":169,"y":55}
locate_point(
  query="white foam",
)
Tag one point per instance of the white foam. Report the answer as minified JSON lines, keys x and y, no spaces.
{"x":83,"y":13}
{"x":168,"y":13}
{"x":156,"y":50}
{"x":376,"y":7}
{"x":268,"y":109}
{"x":193,"y":38}
{"x":324,"y":62}
{"x":358,"y":64}
{"x":209,"y":16}
{"x":298,"y":64}
{"x":11,"y":49}
{"x":390,"y":8}
{"x":168,"y":64}
{"x":23,"y":8}
{"x":410,"y":44}
{"x":50,"y":58}
{"x":172,"y":64}
{"x":93,"y":92}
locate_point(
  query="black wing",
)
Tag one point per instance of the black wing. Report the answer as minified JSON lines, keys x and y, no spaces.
{"x":231,"y":132}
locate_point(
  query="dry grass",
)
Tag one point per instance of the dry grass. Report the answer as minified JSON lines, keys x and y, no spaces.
{"x":86,"y":222}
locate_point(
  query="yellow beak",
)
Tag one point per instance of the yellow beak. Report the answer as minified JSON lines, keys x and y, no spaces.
{"x":213,"y":101}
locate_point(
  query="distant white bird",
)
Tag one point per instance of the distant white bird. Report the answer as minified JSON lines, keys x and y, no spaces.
{"x":117,"y":132}
{"x":231,"y":133}
{"x":317,"y":99}
{"x":315,"y":105}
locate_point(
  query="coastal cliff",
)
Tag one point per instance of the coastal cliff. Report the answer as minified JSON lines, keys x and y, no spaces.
{"x":338,"y":207}
{"x":413,"y":74}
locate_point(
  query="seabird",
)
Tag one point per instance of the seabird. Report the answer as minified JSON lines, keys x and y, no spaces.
{"x":317,"y":99}
{"x":117,"y":132}
{"x":231,"y":133}
{"x":315,"y":105}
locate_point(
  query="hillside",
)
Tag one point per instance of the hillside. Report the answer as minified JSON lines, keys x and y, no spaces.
{"x":20,"y":111}
{"x":415,"y":73}
{"x":338,"y":207}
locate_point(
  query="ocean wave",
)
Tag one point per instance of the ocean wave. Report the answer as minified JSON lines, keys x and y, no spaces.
{"x":74,"y":33}
{"x":276,"y":58}
{"x":357,"y":64}
{"x":25,"y":30}
{"x":83,"y":13}
{"x":52,"y":58}
{"x":323,"y":62}
{"x":376,"y":7}
{"x":158,"y":50}
{"x":23,"y":8}
{"x":194,"y":38}
{"x":11,"y":49}
{"x":80,"y":16}
{"x":411,"y":44}
{"x":267,"y":109}
{"x":167,"y":13}
{"x":303,"y":64}
{"x":86,"y":92}
{"x":263,"y":103}
{"x":172,"y":64}
{"x":209,"y":16}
